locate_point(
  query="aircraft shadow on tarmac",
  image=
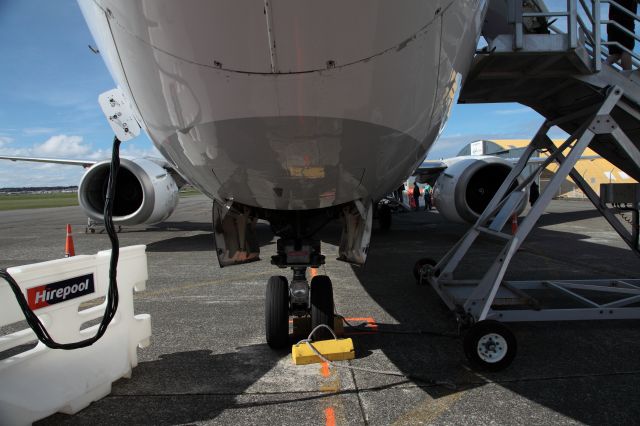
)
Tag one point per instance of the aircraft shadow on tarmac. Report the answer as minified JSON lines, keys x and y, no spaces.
{"x":204,"y":242}
{"x":559,"y":365}
{"x":583,"y":370}
{"x":196,"y":386}
{"x":167,"y":226}
{"x":556,"y":218}
{"x":181,"y":226}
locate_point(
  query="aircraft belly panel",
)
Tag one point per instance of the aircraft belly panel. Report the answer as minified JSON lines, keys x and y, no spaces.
{"x":284,"y":162}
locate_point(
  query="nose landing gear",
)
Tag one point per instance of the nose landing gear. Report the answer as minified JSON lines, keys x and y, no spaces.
{"x":298,"y":299}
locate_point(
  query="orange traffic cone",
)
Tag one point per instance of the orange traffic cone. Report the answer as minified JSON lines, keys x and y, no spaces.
{"x":69,"y":250}
{"x":313,"y":272}
{"x":514,"y":224}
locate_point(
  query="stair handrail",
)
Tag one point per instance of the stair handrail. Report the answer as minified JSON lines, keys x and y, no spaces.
{"x":583,"y":27}
{"x":635,"y":57}
{"x":570,"y":14}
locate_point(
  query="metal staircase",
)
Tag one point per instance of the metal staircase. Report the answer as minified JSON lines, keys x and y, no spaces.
{"x":559,"y":74}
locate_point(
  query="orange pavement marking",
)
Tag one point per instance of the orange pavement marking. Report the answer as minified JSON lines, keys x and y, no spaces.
{"x":325,"y":369}
{"x":372,"y":327}
{"x":330,"y":416}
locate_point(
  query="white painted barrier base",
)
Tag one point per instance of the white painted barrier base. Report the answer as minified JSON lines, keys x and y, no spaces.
{"x":36,"y":382}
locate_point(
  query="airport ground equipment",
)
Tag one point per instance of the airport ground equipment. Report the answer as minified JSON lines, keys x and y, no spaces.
{"x":335,"y":349}
{"x":625,"y":199}
{"x":561,"y":76}
{"x":36,"y":381}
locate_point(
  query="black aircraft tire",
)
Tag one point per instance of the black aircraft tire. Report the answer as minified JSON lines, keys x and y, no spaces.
{"x":418,"y":266}
{"x":277,"y":312}
{"x":490,"y":346}
{"x":321,"y":306}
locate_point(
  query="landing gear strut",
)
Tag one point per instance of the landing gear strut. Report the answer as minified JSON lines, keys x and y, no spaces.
{"x":298,"y":248}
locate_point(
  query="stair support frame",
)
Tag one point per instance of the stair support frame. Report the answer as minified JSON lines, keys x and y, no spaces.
{"x":473,"y":300}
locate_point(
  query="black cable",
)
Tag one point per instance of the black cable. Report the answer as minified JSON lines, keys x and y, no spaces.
{"x":112,"y":294}
{"x":363,"y":327}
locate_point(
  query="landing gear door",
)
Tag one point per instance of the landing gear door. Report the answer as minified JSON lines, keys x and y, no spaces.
{"x":357,"y":221}
{"x":235,"y":235}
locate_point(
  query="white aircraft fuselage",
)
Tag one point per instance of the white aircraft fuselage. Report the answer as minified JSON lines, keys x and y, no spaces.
{"x":289,"y":104}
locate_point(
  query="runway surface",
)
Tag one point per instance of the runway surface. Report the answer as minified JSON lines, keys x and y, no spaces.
{"x":208,"y":362}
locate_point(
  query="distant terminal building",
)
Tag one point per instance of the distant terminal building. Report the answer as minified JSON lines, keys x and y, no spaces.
{"x":594,"y":169}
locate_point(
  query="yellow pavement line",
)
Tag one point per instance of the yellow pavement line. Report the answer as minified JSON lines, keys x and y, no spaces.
{"x":429,"y":410}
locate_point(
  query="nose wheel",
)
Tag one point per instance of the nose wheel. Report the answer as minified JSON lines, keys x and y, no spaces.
{"x":298,"y":300}
{"x":490,"y":346}
{"x":419,"y":267}
{"x":277,"y":312}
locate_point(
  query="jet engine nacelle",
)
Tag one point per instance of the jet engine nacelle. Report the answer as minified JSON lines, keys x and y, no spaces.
{"x":466,"y":187}
{"x":146,"y":193}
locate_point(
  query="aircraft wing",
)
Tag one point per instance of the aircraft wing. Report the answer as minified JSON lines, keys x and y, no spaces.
{"x":84,"y":163}
{"x":429,"y":171}
{"x":180,"y":180}
{"x":536,"y":160}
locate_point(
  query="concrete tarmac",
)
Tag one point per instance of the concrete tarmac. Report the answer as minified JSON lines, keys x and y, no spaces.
{"x":208,"y":362}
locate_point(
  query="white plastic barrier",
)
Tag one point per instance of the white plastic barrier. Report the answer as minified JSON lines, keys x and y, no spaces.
{"x":38,"y":382}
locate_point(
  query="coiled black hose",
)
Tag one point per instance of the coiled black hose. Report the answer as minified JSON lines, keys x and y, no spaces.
{"x":112,"y":294}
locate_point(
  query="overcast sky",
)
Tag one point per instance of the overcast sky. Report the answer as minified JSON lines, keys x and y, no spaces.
{"x":51,"y":80}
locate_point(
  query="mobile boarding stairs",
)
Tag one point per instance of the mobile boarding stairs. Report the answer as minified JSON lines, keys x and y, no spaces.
{"x":561,"y":75}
